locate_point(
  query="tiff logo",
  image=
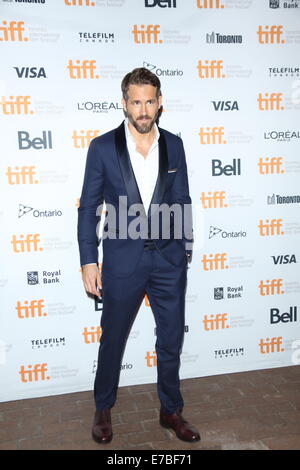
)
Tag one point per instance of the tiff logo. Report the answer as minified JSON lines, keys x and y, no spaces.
{"x":80,"y":3}
{"x":270,"y":166}
{"x":31,"y":309}
{"x":267,"y":346}
{"x":151,"y":360}
{"x":212,"y":135}
{"x":273,"y":287}
{"x":210,"y":69}
{"x":92,"y":334}
{"x":21,"y":175}
{"x":270,"y":35}
{"x":12,"y":31}
{"x":214,"y":262}
{"x":209,"y":4}
{"x":15,"y":105}
{"x":84,"y":69}
{"x":213,"y":200}
{"x":34,"y":373}
{"x":82,"y":139}
{"x":150,"y":35}
{"x":270,"y":102}
{"x":270,"y":228}
{"x":215,"y":322}
{"x":26,"y":245}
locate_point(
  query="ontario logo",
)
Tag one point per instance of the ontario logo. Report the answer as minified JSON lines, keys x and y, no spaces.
{"x":162,"y":72}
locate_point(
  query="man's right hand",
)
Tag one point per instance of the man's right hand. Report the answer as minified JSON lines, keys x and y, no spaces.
{"x":91,"y":279}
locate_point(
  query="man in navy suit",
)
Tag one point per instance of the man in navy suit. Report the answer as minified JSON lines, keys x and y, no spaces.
{"x":140,"y":171}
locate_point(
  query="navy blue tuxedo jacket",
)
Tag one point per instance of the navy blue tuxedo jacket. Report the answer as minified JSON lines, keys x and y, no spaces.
{"x":108,"y":175}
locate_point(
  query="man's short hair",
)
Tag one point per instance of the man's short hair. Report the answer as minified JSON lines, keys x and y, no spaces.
{"x":140,"y":76}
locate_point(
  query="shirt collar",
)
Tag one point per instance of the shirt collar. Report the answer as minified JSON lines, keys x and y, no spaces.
{"x":130,"y":139}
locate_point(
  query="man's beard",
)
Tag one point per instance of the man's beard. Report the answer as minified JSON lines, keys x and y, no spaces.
{"x":142,"y":127}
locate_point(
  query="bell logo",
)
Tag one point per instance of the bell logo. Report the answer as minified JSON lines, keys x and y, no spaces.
{"x":267,"y":346}
{"x":79,"y":3}
{"x":15,"y":105}
{"x":92,"y":334}
{"x":12,"y":31}
{"x":213,"y":200}
{"x":270,"y":102}
{"x":214,"y":262}
{"x":209,"y":4}
{"x":270,"y":228}
{"x":27,"y":244}
{"x":151,"y":359}
{"x":21,"y":175}
{"x":32,"y":309}
{"x":212,"y":135}
{"x":270,"y":34}
{"x":270,"y":166}
{"x":82,"y":69}
{"x":273,"y":287}
{"x":210,"y":69}
{"x":146,"y":34}
{"x":82,"y":139}
{"x":160,"y":3}
{"x":215,"y":322}
{"x":34,"y":373}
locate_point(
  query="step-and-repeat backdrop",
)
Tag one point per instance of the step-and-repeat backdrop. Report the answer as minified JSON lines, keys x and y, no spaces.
{"x":231,"y":89}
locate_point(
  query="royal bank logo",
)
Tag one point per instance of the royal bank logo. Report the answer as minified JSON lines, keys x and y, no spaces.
{"x":229,"y":292}
{"x":88,"y":37}
{"x":160,"y":72}
{"x":218,"y":38}
{"x":289,"y":4}
{"x":32,"y":278}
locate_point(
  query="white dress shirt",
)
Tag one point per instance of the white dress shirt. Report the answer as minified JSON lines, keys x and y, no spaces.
{"x":145,"y":169}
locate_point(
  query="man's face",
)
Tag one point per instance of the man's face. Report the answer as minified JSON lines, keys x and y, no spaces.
{"x":142,"y":107}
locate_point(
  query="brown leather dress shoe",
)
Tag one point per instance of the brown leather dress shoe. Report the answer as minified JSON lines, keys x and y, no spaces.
{"x":102,"y":428}
{"x":183,"y":430}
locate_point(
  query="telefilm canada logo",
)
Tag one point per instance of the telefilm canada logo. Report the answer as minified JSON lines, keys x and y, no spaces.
{"x":88,"y":37}
{"x":229,"y":352}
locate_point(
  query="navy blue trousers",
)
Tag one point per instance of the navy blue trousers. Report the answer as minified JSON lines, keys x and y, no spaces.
{"x":165,"y":286}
